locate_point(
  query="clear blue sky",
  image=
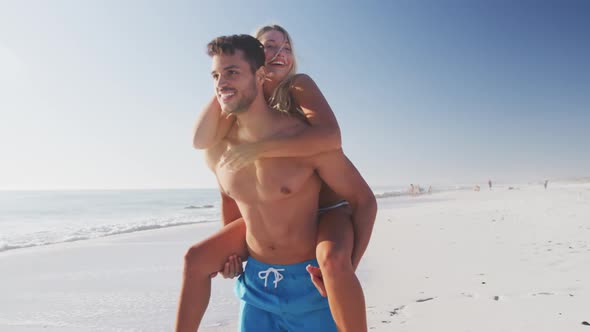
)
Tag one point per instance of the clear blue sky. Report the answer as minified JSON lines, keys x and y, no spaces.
{"x":104,"y":94}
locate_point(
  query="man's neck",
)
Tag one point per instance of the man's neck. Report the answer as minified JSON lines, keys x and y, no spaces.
{"x":258,"y":122}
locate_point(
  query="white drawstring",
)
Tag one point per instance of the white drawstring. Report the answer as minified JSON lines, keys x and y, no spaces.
{"x":277,"y":274}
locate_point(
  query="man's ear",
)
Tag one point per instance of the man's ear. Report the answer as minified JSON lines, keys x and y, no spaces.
{"x":261,"y":75}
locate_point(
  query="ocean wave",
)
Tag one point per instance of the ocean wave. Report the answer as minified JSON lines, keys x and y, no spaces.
{"x":92,"y":233}
{"x":391,"y":194}
{"x":206,"y":206}
{"x":422,"y":191}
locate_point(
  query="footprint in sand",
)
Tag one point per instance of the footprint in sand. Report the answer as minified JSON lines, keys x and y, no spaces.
{"x":397,"y":310}
{"x":470,"y":295}
{"x":425,"y":299}
{"x":386,"y":317}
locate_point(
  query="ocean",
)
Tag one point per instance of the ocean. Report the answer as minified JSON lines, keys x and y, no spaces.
{"x":40,"y":218}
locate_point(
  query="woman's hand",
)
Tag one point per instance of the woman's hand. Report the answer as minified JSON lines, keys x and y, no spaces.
{"x":232,"y":268}
{"x":240,"y":156}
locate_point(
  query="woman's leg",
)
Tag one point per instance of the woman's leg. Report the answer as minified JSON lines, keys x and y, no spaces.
{"x":200,"y":261}
{"x":334,"y":252}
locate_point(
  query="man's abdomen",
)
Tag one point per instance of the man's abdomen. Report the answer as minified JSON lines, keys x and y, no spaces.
{"x":285,"y":234}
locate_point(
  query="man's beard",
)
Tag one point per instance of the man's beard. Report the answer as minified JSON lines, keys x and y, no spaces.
{"x":244,"y":103}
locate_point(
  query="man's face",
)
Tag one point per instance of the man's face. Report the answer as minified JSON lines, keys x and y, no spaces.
{"x":235,"y":84}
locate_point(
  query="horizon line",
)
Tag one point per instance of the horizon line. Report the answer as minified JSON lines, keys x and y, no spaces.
{"x":561,"y":179}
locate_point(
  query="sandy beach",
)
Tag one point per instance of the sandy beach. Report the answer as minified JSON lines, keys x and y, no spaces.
{"x":500,"y":260}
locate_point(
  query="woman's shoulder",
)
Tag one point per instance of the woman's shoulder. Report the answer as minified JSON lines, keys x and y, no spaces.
{"x":301,"y":78}
{"x":302,"y":81}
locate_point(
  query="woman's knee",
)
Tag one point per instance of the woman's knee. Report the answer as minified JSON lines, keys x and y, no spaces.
{"x":209,"y":255}
{"x":196,"y":261}
{"x":333,"y":258}
{"x":335,"y":239}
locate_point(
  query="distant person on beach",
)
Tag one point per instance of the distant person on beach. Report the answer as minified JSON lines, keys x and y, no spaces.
{"x":430,"y":189}
{"x":306,"y":140}
{"x":490,"y":184}
{"x":545,"y":184}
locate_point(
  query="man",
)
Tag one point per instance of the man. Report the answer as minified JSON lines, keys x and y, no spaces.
{"x":277,"y":197}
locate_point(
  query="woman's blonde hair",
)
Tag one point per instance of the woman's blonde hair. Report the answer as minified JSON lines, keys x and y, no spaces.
{"x":281,"y":99}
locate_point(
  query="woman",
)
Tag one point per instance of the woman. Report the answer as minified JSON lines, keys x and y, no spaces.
{"x":299,"y":96}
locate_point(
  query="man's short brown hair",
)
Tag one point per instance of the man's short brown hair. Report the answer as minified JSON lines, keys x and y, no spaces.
{"x":250,"y":46}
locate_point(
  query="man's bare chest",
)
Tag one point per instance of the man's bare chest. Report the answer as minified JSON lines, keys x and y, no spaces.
{"x":266,"y":179}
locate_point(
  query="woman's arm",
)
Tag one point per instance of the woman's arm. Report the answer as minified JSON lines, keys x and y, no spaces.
{"x":323,"y":134}
{"x":211,"y":126}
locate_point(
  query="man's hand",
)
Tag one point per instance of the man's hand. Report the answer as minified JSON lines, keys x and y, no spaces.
{"x":233,"y":268}
{"x":316,"y":277}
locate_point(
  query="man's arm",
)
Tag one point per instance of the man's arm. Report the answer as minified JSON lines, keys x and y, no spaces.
{"x":342,"y":177}
{"x":229,"y":209}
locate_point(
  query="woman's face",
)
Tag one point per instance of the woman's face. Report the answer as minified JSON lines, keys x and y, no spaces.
{"x":277,"y":51}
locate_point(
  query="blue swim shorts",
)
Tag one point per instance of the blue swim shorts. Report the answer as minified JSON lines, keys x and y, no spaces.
{"x":281,"y":298}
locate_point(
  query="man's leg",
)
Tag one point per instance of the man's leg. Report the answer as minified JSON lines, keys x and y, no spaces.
{"x":334,"y":251}
{"x":200,"y":261}
{"x":253,"y":319}
{"x":312,"y":321}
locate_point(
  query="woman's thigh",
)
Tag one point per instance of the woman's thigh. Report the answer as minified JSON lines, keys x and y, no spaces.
{"x":335,"y":229}
{"x":211,"y":254}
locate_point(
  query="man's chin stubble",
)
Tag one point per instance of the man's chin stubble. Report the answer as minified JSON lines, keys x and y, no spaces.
{"x":234,"y":111}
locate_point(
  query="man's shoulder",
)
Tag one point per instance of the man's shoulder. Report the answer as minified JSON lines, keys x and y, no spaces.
{"x":288,"y":125}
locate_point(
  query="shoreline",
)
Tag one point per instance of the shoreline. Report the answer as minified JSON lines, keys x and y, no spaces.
{"x":471,"y":261}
